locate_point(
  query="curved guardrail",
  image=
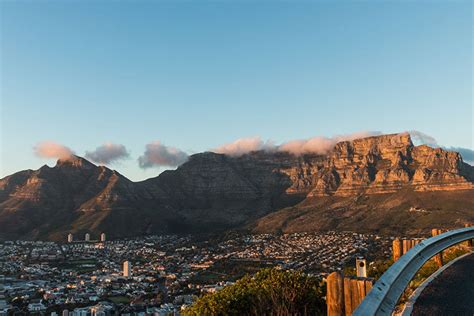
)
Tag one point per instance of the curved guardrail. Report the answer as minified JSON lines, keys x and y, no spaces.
{"x":386,"y":292}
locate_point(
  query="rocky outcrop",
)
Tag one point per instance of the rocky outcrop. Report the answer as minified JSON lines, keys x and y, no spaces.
{"x":388,"y":163}
{"x":440,"y":170}
{"x":209,"y":192}
{"x":214,"y":192}
{"x":34,"y":203}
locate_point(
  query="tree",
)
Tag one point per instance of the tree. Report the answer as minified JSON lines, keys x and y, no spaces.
{"x":268,"y":292}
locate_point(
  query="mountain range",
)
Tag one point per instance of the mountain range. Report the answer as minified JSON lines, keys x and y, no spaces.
{"x":381,"y":184}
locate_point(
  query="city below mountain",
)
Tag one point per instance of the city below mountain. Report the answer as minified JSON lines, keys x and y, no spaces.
{"x":380,"y":184}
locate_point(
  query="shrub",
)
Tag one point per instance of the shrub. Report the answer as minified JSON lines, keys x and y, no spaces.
{"x":268,"y":292}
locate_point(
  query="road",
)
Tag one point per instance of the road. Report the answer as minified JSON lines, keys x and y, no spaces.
{"x":451,"y":293}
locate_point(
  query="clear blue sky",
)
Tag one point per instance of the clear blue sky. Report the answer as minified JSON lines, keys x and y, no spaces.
{"x":196,"y":74}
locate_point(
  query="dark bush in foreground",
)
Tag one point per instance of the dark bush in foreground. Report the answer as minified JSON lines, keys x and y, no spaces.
{"x":268,"y":292}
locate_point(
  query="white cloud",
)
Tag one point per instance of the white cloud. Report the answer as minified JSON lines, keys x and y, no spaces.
{"x":108,"y":153}
{"x":317,"y":145}
{"x":157,"y":154}
{"x":50,"y":149}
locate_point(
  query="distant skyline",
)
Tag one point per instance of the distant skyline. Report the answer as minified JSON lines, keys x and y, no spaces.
{"x":139,"y":84}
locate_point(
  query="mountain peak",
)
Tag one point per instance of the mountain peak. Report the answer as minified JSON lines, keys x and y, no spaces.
{"x":75,"y":161}
{"x":398,"y":139}
{"x":214,"y":191}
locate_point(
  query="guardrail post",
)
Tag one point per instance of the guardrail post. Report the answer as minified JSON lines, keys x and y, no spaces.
{"x":335,"y":294}
{"x":397,"y":249}
{"x":406,"y":245}
{"x":355,"y":292}
{"x":382,"y":299}
{"x":345,"y":293}
{"x":439,"y":257}
{"x":348,"y":307}
{"x":402,"y":246}
{"x":469,"y":241}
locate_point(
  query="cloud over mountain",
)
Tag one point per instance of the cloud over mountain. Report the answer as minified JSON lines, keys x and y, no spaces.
{"x":422,"y":138}
{"x":320,"y":144}
{"x":108,"y":153}
{"x":466,"y":153}
{"x":50,"y":149}
{"x":157,"y":154}
{"x":316,"y":145}
{"x":242,"y":146}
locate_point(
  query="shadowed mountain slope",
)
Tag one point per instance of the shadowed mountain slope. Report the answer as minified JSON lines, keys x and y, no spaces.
{"x":381,"y":183}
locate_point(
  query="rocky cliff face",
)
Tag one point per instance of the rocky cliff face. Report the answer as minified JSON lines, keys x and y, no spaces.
{"x":213,"y":191}
{"x":386,"y":164}
{"x":33,"y":203}
{"x":74,"y":184}
{"x":209,"y":192}
{"x":381,"y":184}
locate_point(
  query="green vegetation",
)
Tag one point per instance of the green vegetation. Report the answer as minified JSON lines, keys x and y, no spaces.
{"x":119,"y":299}
{"x":268,"y":292}
{"x":374,"y":270}
{"x":228,"y":269}
{"x":80,"y":265}
{"x":378,"y":268}
{"x":429,"y":268}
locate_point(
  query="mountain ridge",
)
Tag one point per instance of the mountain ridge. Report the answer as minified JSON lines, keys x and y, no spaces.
{"x":213,"y":192}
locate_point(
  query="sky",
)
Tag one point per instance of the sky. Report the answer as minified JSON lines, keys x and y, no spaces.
{"x":139,"y":85}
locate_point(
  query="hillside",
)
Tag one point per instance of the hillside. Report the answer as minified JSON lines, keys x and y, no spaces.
{"x":404,"y":212}
{"x":381,"y":183}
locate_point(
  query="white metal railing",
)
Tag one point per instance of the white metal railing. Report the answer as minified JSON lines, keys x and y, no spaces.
{"x":386,"y":292}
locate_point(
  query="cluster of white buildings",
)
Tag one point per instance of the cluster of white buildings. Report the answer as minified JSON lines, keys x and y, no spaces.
{"x":87,"y":238}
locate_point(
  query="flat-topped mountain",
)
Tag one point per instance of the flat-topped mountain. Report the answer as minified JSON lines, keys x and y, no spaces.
{"x":264,"y":191}
{"x":386,"y":164}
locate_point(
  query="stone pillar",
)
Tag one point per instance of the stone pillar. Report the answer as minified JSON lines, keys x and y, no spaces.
{"x":335,"y":294}
{"x":397,"y":249}
{"x":439,"y":257}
